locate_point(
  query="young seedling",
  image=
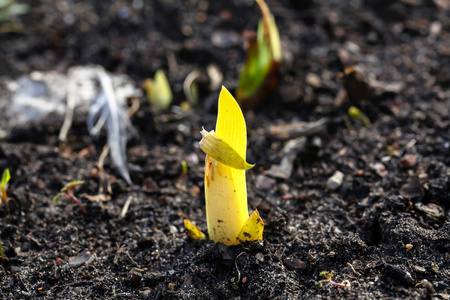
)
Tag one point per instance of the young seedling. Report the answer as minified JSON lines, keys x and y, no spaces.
{"x":158,"y":91}
{"x":329,"y":275}
{"x":358,"y":115}
{"x":4,"y":186}
{"x":225,"y":186}
{"x":260,"y":72}
{"x":4,"y":199}
{"x":67,"y":192}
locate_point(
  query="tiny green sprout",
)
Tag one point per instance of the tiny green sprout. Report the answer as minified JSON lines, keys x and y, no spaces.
{"x":234,"y":283}
{"x":329,"y":275}
{"x":158,"y":90}
{"x":260,"y":72}
{"x":3,"y":199}
{"x":184,"y":169}
{"x":67,"y":192}
{"x":4,"y":185}
{"x":356,"y":114}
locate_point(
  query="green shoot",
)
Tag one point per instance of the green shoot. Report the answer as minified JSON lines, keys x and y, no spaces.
{"x":184,"y":169}
{"x":260,"y":72}
{"x":158,"y":91}
{"x":356,"y":114}
{"x":3,"y":199}
{"x":4,"y":185}
{"x":67,"y":192}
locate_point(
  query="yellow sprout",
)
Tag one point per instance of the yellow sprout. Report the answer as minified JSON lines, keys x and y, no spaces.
{"x":225,"y":185}
{"x":158,"y":90}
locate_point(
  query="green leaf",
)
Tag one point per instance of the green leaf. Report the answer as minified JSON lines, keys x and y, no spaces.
{"x":5,"y":178}
{"x":57,"y":197}
{"x":356,"y":114}
{"x":260,"y":72}
{"x":256,"y":67}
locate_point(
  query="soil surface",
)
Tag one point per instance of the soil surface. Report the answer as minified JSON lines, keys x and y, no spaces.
{"x":385,"y":228}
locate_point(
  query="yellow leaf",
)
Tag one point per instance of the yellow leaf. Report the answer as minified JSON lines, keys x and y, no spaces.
{"x":72,"y":185}
{"x":225,"y":187}
{"x":218,"y":149}
{"x":193,"y":231}
{"x":230,"y":124}
{"x":158,"y":91}
{"x":252,"y":229}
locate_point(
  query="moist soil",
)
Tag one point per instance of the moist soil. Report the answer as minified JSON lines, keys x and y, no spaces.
{"x":385,"y":229}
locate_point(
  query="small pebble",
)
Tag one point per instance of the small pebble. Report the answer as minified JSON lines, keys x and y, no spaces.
{"x":259,"y":257}
{"x":335,"y":181}
{"x":225,"y":39}
{"x":379,"y":168}
{"x":408,"y":161}
{"x":313,"y":80}
{"x":173,"y":229}
{"x":284,"y":188}
{"x":135,"y":278}
{"x":294,"y":264}
{"x":408,"y":246}
{"x":264,"y":182}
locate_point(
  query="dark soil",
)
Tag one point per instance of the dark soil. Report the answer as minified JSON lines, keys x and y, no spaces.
{"x":386,"y":229}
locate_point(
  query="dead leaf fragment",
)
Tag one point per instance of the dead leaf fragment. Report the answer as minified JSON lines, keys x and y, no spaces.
{"x":252,"y":229}
{"x":193,"y":231}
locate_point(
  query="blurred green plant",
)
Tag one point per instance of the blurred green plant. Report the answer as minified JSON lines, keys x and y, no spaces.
{"x":260,"y":72}
{"x":67,"y":192}
{"x":358,"y":115}
{"x":158,"y":91}
{"x":4,"y":199}
{"x":9,"y":9}
{"x":4,"y":186}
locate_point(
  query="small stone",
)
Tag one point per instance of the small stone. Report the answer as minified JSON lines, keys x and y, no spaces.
{"x":379,"y":168}
{"x":259,"y":257}
{"x":225,"y":39}
{"x":408,"y":161}
{"x":419,"y":269}
{"x":77,"y":261}
{"x":264,"y":182}
{"x":294,"y":264}
{"x":431,"y":210}
{"x":409,"y":246}
{"x":173,"y":229}
{"x":284,"y":188}
{"x":335,"y":181}
{"x":395,"y":275}
{"x":313,"y":80}
{"x":136,"y":278}
{"x":412,"y":189}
